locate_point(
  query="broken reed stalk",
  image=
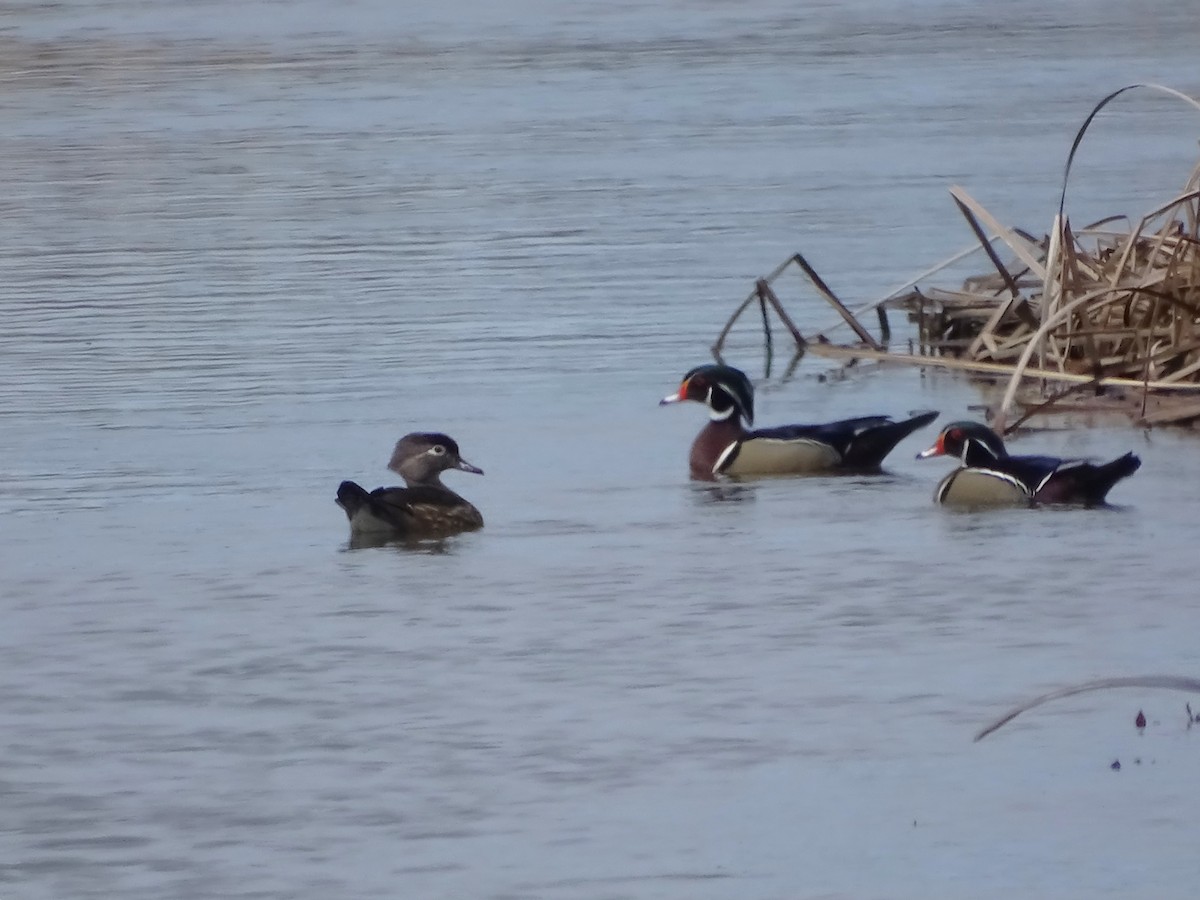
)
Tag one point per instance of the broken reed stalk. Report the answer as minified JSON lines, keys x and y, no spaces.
{"x":1053,"y":287}
{"x":753,"y":295}
{"x":766,"y":323}
{"x":824,"y":291}
{"x":1091,"y":308}
{"x":765,"y":294}
{"x":1025,"y":250}
{"x":969,"y":250}
{"x":836,"y":351}
{"x":1054,"y":399}
{"x":1149,"y":357}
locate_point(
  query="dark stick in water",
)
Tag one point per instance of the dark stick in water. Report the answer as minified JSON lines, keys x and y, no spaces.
{"x":1171,"y":682}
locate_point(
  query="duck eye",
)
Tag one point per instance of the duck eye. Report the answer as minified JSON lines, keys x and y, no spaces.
{"x":437,"y":450}
{"x":955,"y":434}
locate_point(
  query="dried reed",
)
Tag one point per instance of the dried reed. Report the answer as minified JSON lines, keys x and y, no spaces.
{"x":1097,"y":308}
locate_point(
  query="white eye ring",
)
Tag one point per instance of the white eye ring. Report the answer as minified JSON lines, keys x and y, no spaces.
{"x":437,"y":450}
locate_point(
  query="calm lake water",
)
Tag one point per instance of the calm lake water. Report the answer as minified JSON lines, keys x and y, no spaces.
{"x":247,"y":245}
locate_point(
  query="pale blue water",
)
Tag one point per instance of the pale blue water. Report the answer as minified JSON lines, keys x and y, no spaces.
{"x":245,"y":246}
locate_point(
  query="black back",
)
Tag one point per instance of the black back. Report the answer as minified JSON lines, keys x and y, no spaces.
{"x":862,"y":442}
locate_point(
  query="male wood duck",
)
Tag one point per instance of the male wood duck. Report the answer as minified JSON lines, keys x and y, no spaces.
{"x":988,"y":476}
{"x":726,"y":446}
{"x":426,"y":508}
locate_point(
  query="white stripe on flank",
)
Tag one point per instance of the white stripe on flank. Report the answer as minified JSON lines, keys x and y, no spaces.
{"x":944,"y":487}
{"x":1004,"y":476}
{"x":720,"y":463}
{"x":1066,"y":465}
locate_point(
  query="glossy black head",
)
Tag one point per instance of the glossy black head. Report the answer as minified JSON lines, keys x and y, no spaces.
{"x":419,"y":458}
{"x":971,"y":442}
{"x":726,"y":391}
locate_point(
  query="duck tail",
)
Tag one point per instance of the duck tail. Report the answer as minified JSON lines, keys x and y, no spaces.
{"x":908,"y":426}
{"x":1110,"y":473}
{"x":868,"y":449}
{"x":352,"y":497}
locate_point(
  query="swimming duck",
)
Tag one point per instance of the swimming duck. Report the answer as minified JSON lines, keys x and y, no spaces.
{"x":988,"y":476}
{"x":726,"y":446}
{"x":426,"y":507}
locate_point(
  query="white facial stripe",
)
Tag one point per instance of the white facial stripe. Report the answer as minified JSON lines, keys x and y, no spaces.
{"x":735,"y":399}
{"x":969,"y":441}
{"x":721,"y":415}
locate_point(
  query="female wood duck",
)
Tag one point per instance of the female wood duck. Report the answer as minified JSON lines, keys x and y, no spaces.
{"x":426,"y":508}
{"x":988,"y":476}
{"x":725,"y":446}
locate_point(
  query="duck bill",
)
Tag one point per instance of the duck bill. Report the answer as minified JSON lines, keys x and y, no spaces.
{"x":678,"y":397}
{"x":938,"y":449}
{"x":465,"y":466}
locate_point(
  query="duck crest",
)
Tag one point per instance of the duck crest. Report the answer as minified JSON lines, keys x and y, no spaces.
{"x":978,"y":452}
{"x":726,"y":391}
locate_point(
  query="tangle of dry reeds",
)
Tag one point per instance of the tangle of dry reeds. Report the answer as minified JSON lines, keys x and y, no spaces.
{"x":1100,"y":308}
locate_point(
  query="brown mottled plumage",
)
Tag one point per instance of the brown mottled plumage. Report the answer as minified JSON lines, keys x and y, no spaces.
{"x":426,"y":507}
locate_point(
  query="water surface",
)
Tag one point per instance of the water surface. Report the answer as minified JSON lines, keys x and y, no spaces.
{"x":247,"y":245}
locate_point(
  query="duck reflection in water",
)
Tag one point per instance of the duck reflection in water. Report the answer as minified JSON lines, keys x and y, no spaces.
{"x":725,"y":492}
{"x":439,"y":546}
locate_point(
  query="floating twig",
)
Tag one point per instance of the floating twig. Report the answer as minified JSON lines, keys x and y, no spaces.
{"x":1169,"y":682}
